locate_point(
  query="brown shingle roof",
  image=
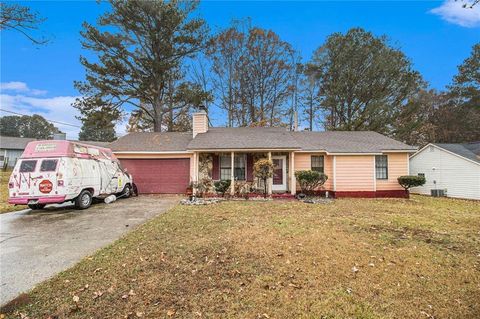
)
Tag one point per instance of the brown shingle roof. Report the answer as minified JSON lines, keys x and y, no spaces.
{"x":348,"y":142}
{"x":260,"y":138}
{"x":244,"y":138}
{"x":14,"y":143}
{"x":152,"y":142}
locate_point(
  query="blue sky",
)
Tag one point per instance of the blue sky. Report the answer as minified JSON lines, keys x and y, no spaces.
{"x":436,"y":36}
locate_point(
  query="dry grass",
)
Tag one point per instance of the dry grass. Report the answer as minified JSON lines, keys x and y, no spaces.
{"x":416,"y":258}
{"x":5,"y":207}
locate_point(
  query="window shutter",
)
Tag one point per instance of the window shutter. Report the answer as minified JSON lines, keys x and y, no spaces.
{"x":249,"y":168}
{"x":216,"y":167}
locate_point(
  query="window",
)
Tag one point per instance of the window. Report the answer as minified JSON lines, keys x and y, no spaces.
{"x":27,"y":166}
{"x":225,"y":172}
{"x":317,"y":164}
{"x":421,"y":174}
{"x":225,"y":167}
{"x":240,"y":167}
{"x":48,"y":166}
{"x":381,"y":166}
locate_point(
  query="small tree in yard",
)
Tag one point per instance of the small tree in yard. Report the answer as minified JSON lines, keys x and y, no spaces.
{"x":310,"y":180}
{"x":409,"y":181}
{"x":263,"y":169}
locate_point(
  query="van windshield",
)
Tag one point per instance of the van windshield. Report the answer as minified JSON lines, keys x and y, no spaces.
{"x":48,"y":165}
{"x":27,"y":166}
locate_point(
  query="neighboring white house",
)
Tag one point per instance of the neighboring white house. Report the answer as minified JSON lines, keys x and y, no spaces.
{"x":11,"y":148}
{"x":454,"y":168}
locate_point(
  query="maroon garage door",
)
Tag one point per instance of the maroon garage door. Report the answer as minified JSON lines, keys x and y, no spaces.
{"x":159,"y":176}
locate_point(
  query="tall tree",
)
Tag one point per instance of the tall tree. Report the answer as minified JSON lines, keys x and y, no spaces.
{"x":225,"y":51}
{"x":141,"y":52}
{"x":34,"y":126}
{"x":265,"y":82}
{"x":310,"y":100}
{"x":14,"y":16}
{"x":253,"y":70}
{"x":460,"y":118}
{"x":98,"y":120}
{"x":417,"y":124}
{"x":364,"y":82}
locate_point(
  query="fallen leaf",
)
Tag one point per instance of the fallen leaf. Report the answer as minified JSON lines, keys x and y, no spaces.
{"x":139,"y":314}
{"x":76,"y":299}
{"x":170,"y":312}
{"x":97,"y":294}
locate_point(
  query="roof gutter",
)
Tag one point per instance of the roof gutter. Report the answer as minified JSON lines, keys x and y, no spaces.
{"x":243,"y":149}
{"x":151,"y":152}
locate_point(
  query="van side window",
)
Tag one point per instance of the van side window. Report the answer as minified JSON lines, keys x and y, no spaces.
{"x":48,"y":165}
{"x":27,"y":166}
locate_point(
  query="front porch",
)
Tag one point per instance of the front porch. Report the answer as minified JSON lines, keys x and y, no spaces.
{"x":216,"y":166}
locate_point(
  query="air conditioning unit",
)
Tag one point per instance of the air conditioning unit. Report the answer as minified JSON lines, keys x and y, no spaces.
{"x":438,"y":192}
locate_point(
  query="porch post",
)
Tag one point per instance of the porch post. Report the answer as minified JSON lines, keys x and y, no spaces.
{"x":195,"y":172}
{"x":293,"y":180}
{"x":232,"y":174}
{"x":270,"y":180}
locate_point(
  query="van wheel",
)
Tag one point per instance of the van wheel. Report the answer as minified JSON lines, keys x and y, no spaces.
{"x":36,"y":206}
{"x":84,"y":200}
{"x":127,"y":191}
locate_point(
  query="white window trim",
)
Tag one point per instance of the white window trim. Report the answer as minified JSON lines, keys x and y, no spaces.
{"x":235,"y":156}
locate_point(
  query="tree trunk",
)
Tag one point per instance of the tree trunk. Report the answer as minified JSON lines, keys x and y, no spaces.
{"x":265,"y":188}
{"x":157,"y":122}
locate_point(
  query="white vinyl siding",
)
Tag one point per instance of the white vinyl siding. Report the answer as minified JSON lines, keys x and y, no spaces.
{"x":459,"y":176}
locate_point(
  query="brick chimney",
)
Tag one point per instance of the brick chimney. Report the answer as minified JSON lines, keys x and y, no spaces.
{"x":200,"y":123}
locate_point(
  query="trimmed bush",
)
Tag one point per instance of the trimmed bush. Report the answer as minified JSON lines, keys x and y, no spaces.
{"x":409,"y":181}
{"x":222,"y":186}
{"x":309,"y":180}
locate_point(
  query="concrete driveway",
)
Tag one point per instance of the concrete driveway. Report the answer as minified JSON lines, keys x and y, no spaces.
{"x":35,"y":245}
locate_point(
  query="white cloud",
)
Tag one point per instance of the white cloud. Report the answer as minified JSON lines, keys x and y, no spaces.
{"x":56,"y":108}
{"x":453,"y":12}
{"x":20,"y":87}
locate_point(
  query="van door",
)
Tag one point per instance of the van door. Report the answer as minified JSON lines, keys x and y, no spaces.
{"x":36,"y":177}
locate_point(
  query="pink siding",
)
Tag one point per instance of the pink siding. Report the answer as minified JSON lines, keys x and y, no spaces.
{"x":397,"y":166}
{"x":303,"y":162}
{"x":354,"y":173}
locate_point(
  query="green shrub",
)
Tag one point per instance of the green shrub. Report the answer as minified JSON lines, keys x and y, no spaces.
{"x":309,"y":180}
{"x":222,"y":186}
{"x":409,"y":181}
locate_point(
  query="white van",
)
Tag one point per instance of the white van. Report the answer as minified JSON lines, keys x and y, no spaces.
{"x":61,"y":171}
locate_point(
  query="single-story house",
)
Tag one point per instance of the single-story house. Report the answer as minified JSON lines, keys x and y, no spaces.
{"x":453,"y":169}
{"x":11,"y":148}
{"x":362,"y":164}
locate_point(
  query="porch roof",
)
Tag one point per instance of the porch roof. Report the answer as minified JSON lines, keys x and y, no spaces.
{"x":242,"y":138}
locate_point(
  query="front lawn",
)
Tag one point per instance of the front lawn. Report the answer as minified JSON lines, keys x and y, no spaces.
{"x":5,"y":207}
{"x":354,"y":258}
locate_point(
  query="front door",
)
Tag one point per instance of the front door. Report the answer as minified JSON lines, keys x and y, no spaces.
{"x":279,"y":173}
